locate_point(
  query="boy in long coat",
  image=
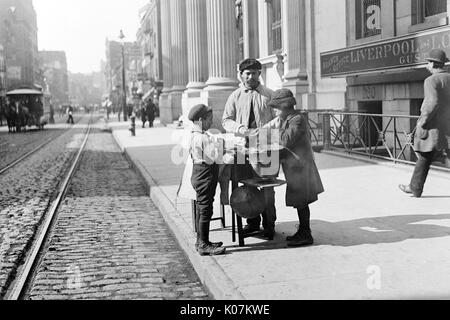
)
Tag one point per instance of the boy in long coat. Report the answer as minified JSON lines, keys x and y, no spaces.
{"x":297,"y":160}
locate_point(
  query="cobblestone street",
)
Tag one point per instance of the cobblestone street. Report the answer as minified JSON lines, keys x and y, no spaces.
{"x":26,"y":190}
{"x":13,"y":146}
{"x":110,"y":241}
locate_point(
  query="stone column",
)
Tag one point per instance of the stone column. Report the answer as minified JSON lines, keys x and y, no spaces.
{"x":165,"y":108}
{"x":250,"y":25}
{"x":222,"y":45}
{"x":222,"y":56}
{"x":197,"y":44}
{"x":179,"y":54}
{"x":294,"y":26}
{"x":197,"y":53}
{"x":263,"y":26}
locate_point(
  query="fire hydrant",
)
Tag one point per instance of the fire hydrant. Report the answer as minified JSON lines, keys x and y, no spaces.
{"x":133,"y":125}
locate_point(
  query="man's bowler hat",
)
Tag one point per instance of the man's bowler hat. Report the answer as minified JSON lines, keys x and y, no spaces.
{"x":437,"y":55}
{"x":198,"y":111}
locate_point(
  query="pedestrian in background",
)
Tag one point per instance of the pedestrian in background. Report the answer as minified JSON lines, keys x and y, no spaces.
{"x":297,"y":159}
{"x":204,"y":178}
{"x":151,"y":110}
{"x":247,"y":109}
{"x":70,"y":115}
{"x":432,"y":136}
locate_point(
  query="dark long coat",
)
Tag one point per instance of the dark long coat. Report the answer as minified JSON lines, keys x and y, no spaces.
{"x":433,"y":126}
{"x":300,"y":170}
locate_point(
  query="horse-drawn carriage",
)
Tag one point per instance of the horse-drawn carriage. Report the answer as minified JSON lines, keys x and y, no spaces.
{"x":26,"y":107}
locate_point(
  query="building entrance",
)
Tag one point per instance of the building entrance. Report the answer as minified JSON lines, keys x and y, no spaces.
{"x":370,"y":125}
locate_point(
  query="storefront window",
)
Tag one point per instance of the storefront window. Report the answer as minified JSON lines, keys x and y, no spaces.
{"x":368,"y":18}
{"x":423,"y":10}
{"x":277,"y":37}
{"x":433,"y":7}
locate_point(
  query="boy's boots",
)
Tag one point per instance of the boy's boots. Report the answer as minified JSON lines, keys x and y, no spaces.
{"x":208,"y":249}
{"x":199,"y":243}
{"x":302,"y":237}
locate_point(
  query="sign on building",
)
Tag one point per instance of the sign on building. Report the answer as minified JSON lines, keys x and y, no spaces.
{"x":368,"y":18}
{"x":381,"y":55}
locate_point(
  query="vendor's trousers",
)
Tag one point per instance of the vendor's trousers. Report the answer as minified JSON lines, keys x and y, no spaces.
{"x":204,"y":180}
{"x":269,"y":216}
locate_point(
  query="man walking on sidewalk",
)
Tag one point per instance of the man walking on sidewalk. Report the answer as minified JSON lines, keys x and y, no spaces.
{"x":433,"y":127}
{"x":247,"y":109}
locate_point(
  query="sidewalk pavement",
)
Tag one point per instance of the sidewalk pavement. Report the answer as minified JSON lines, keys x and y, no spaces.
{"x":371,"y":240}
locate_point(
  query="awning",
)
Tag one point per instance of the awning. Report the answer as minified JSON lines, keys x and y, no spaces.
{"x":24,"y":92}
{"x":148,"y":94}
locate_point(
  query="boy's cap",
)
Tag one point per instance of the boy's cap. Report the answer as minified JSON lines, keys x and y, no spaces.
{"x":282,"y":96}
{"x":250,"y":64}
{"x":198,"y":111}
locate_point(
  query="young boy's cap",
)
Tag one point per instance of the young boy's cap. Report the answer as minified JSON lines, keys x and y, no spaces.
{"x":250,"y":64}
{"x":282,"y":96}
{"x":198,"y":111}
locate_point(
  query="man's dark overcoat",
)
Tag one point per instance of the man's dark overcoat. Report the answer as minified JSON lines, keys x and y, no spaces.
{"x":299,"y":167}
{"x":433,"y":126}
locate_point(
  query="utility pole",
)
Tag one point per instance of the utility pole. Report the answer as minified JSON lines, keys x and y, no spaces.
{"x":124,"y":89}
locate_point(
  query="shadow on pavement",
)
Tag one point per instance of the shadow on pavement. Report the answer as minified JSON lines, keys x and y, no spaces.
{"x":358,"y":232}
{"x":377,"y":230}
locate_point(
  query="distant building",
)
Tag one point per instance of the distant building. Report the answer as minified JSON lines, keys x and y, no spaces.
{"x":84,"y":89}
{"x":53,"y":66}
{"x":2,"y":73}
{"x":18,"y":36}
{"x":133,"y":65}
{"x":149,"y":38}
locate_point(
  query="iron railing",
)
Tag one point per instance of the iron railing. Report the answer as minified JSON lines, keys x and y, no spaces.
{"x":382,"y":136}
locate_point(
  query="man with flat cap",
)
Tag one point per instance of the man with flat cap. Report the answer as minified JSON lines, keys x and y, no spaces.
{"x":432,"y":136}
{"x":247,"y":109}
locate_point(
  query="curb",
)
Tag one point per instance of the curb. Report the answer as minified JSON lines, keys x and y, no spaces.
{"x":211,"y":274}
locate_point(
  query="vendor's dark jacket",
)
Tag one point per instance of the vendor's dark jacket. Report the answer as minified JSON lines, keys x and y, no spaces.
{"x":300,"y":170}
{"x":433,"y":126}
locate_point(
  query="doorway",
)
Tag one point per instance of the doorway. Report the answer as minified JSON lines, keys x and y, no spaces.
{"x":368,"y":125}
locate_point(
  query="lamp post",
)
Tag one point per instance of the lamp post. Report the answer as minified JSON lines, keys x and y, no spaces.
{"x":124,"y":89}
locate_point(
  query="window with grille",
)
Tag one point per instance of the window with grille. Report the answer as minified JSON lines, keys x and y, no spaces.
{"x":423,"y":10}
{"x":367,"y":18}
{"x":277,"y":36}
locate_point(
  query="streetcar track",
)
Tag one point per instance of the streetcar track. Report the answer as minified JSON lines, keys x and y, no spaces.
{"x":17,"y":288}
{"x":25,"y":156}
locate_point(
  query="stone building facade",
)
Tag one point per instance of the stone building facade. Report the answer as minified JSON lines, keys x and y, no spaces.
{"x":151,"y":78}
{"x":18,"y":36}
{"x":53,"y":66}
{"x":114,"y":61}
{"x":383,"y":61}
{"x":202,"y":42}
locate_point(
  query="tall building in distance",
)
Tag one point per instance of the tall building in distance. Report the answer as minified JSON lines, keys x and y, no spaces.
{"x":2,"y":73}
{"x":148,"y":36}
{"x":53,"y":66}
{"x":84,"y":89}
{"x":18,"y":36}
{"x":132,"y":62}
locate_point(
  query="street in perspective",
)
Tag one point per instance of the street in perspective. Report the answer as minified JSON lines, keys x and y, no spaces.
{"x":198,"y":151}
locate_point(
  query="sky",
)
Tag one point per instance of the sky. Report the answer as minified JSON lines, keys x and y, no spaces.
{"x":80,"y":28}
